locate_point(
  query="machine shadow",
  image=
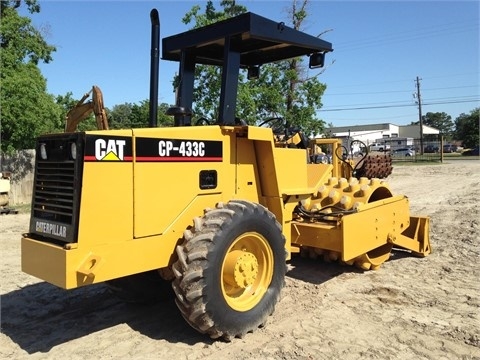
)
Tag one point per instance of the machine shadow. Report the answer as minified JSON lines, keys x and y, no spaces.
{"x":41,"y":316}
{"x":317,"y":271}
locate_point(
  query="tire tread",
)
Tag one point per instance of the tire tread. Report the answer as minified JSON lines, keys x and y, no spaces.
{"x":188,"y":284}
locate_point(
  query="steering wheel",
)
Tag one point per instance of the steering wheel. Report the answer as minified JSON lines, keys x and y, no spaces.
{"x":277,"y":124}
{"x":203,"y":121}
{"x":283,"y":134}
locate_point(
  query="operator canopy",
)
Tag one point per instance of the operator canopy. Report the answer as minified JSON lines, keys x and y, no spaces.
{"x":257,"y":39}
{"x":245,"y":41}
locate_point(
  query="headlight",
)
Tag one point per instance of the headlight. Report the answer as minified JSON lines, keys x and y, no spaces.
{"x":43,"y":151}
{"x":73,"y":150}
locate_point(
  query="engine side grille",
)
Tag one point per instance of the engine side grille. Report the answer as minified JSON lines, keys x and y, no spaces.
{"x":57,"y":187}
{"x":53,"y":192}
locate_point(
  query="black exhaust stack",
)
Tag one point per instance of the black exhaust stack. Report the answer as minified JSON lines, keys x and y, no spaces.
{"x":154,"y":67}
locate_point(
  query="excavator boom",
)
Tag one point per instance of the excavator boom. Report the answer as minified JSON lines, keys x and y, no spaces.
{"x":82,"y":110}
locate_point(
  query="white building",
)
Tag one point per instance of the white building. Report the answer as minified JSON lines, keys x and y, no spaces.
{"x":394,"y":135}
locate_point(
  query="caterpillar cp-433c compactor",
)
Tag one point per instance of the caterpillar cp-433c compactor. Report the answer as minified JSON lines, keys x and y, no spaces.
{"x":215,"y":210}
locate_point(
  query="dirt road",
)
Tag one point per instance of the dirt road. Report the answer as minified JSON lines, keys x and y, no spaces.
{"x":411,"y":308}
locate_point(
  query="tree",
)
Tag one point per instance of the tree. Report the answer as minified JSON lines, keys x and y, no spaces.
{"x":27,"y":110}
{"x":127,"y":115}
{"x":119,"y":116}
{"x":66,"y":103}
{"x":208,"y":78}
{"x":284,"y":89}
{"x":467,"y":128}
{"x":303,"y":92}
{"x":438,"y":120}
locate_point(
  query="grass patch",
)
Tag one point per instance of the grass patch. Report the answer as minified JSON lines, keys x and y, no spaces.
{"x":454,"y":158}
{"x":22,"y":208}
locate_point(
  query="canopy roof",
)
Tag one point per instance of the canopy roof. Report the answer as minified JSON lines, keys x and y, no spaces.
{"x":257,"y":39}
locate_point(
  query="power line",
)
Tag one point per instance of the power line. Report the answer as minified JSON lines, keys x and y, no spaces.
{"x":476,"y":73}
{"x":398,"y":102}
{"x":369,"y":93}
{"x":452,"y":87}
{"x":399,"y":91}
{"x":466,"y":97}
{"x":425,"y":30}
{"x":452,"y":75}
{"x":400,"y":105}
{"x":370,"y":118}
{"x":403,"y":102}
{"x":403,"y":37}
{"x":451,"y":102}
{"x":367,"y":107}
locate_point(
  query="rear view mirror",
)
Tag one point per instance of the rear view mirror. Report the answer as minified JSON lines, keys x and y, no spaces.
{"x":317,"y":60}
{"x":253,"y":72}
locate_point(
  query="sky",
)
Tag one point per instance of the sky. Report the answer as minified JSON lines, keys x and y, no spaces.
{"x":380,"y":48}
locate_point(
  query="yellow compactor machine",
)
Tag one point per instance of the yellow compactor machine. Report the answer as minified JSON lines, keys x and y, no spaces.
{"x":212,"y":211}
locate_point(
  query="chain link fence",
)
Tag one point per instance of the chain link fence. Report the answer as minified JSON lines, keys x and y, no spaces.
{"x":433,"y":150}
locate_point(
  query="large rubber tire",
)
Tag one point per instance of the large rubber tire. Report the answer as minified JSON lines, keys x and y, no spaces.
{"x":230,"y":270}
{"x":143,"y":288}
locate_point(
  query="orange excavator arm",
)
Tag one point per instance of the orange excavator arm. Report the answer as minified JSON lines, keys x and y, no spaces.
{"x":82,"y":110}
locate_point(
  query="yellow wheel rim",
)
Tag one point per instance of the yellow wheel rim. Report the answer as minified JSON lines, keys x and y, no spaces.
{"x":247,"y":271}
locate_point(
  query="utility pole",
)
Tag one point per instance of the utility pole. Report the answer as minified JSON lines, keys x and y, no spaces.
{"x":420,"y":117}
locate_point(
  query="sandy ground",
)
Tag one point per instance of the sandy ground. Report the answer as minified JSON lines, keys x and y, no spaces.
{"x":411,"y":308}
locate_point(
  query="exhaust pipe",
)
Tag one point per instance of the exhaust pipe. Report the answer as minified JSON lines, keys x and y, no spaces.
{"x":154,"y":60}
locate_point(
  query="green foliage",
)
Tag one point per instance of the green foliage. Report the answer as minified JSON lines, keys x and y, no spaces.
{"x":206,"y":93}
{"x":20,"y":40}
{"x":27,"y":110}
{"x":283,"y":89}
{"x":210,"y":16}
{"x":127,"y":115}
{"x":140,"y":115}
{"x":119,"y":116}
{"x":163,"y":118}
{"x":439,"y":120}
{"x":467,"y":128}
{"x":66,"y":103}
